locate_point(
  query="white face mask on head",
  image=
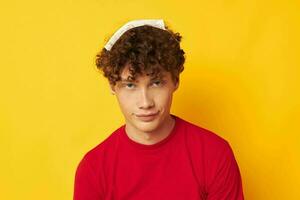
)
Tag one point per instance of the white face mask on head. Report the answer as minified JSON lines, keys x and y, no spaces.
{"x":158,"y":23}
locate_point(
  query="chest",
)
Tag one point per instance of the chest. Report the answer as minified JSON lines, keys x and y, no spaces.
{"x":162,"y":174}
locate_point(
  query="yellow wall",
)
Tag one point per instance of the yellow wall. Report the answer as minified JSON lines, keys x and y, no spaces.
{"x":241,"y":80}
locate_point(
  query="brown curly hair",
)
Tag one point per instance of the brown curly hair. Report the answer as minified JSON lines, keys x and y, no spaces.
{"x":146,"y":49}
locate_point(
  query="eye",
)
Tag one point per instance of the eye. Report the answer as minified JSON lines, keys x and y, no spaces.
{"x":157,"y":83}
{"x":129,"y":85}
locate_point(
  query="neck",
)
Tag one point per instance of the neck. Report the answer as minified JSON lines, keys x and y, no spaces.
{"x":149,"y":138}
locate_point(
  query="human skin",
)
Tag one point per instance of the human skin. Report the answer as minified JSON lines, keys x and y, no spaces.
{"x":143,"y":96}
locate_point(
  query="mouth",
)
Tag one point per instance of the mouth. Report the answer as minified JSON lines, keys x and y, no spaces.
{"x":147,"y":117}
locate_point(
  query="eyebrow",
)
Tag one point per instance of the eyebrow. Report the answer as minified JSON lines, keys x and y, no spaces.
{"x":152,"y":78}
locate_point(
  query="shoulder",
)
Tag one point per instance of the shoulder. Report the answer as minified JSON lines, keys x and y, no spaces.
{"x":210,"y":152}
{"x":91,"y":171}
{"x":213,"y":160}
{"x":101,"y":152}
{"x":203,"y":137}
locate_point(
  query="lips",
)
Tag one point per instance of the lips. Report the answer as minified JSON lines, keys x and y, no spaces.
{"x":146,"y":115}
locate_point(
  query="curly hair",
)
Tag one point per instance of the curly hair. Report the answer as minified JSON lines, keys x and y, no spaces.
{"x":146,"y":49}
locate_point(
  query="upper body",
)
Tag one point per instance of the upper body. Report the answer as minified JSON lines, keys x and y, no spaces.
{"x":154,"y":155}
{"x":190,"y":163}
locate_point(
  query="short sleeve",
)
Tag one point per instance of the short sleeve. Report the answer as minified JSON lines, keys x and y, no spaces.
{"x":227,"y":183}
{"x":86,"y":185}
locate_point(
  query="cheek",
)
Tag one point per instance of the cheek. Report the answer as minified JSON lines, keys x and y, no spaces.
{"x":164,"y":99}
{"x":125,"y":102}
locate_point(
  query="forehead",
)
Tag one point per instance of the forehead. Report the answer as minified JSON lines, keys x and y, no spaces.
{"x":126,"y":74}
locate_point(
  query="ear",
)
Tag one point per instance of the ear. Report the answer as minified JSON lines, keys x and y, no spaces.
{"x":112,"y":89}
{"x":176,"y":84}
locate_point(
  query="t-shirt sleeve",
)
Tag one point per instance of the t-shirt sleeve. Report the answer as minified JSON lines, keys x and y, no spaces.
{"x":226,"y":183}
{"x":87,"y":185}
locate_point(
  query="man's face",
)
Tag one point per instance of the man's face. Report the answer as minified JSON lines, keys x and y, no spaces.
{"x":146,"y":101}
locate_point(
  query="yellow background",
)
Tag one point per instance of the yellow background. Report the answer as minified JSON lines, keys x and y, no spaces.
{"x":241,"y":80}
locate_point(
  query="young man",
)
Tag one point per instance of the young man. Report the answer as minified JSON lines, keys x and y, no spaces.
{"x":155,"y":154}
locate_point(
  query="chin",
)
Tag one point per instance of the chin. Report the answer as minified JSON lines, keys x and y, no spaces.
{"x":147,"y":126}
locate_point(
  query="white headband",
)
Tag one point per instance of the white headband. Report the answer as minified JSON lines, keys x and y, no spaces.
{"x":158,"y":23}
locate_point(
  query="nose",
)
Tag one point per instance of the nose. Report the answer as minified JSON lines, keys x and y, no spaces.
{"x":145,"y":100}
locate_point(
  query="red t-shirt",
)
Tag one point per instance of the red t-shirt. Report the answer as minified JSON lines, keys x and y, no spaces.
{"x":190,"y":163}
